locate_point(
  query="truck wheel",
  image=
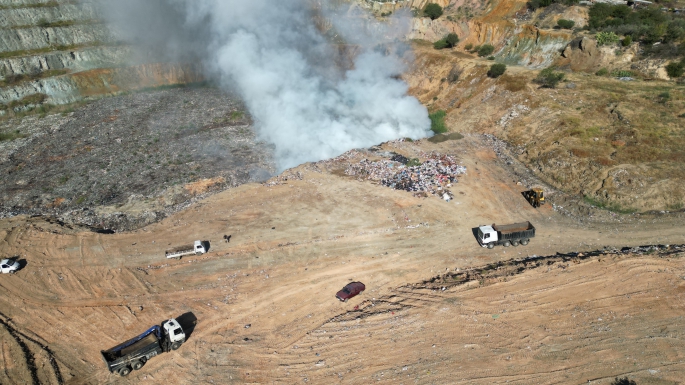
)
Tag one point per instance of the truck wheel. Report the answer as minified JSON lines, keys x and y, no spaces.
{"x":138,"y":364}
{"x":491,"y":245}
{"x":524,"y":242}
{"x":514,"y":243}
{"x":125,"y":371}
{"x":506,"y":244}
{"x":175,"y":345}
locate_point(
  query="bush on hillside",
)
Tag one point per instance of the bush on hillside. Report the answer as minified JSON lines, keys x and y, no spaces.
{"x":566,"y":24}
{"x":646,"y":25}
{"x":468,"y":47}
{"x":602,"y":72}
{"x":433,"y":11}
{"x":452,"y":39}
{"x":548,"y":78}
{"x":496,"y":70}
{"x":604,"y":38}
{"x":485,"y":50}
{"x":438,"y":121}
{"x":623,"y":381}
{"x":675,"y":69}
{"x":448,"y":41}
{"x":535,"y":4}
{"x":627,"y":41}
{"x":440,"y":44}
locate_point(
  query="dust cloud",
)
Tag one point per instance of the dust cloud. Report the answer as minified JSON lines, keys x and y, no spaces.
{"x":284,"y":59}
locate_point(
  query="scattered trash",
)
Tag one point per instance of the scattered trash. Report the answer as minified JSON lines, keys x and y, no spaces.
{"x":248,"y":326}
{"x":432,"y":176}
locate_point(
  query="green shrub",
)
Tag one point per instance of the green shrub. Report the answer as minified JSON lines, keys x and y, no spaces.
{"x":604,"y":38}
{"x":485,"y":50}
{"x":468,"y":47}
{"x":602,"y":72}
{"x":491,"y":58}
{"x":438,"y":121}
{"x":452,"y":39}
{"x":433,"y":11}
{"x":628,"y":40}
{"x":548,"y":78}
{"x":497,"y":70}
{"x":675,"y":69}
{"x":623,"y":381}
{"x":566,"y":24}
{"x":440,"y":44}
{"x":448,"y":41}
{"x":535,"y":4}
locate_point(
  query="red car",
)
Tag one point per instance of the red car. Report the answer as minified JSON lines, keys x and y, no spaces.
{"x":350,"y":290}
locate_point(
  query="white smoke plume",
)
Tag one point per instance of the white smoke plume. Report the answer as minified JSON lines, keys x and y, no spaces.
{"x":287,"y":70}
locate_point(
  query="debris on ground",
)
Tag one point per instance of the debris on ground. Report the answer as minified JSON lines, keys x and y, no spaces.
{"x":432,"y":176}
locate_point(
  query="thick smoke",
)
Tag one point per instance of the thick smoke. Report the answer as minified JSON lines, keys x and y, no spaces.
{"x":280,"y":57}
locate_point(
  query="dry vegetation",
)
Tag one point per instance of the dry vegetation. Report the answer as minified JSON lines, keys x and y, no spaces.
{"x":580,"y":137}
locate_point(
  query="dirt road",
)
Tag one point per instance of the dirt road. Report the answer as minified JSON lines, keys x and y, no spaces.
{"x":265,"y":300}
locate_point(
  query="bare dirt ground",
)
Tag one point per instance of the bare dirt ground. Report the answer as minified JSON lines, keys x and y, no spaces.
{"x":265,"y":300}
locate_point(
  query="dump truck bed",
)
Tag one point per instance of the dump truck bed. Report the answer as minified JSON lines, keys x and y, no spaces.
{"x":504,"y":229}
{"x":112,"y":355}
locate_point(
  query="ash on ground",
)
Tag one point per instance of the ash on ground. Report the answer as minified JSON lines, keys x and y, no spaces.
{"x":123,"y":162}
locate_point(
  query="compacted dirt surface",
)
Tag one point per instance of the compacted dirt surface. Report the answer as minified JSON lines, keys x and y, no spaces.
{"x":438,"y":308}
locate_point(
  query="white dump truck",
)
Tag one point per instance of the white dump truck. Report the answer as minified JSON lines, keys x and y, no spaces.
{"x":198,"y":247}
{"x":505,"y":235}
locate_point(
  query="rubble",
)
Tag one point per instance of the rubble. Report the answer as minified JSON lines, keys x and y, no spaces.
{"x":432,"y":176}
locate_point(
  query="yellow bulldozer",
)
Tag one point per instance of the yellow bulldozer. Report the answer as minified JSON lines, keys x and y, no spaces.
{"x":535,"y":196}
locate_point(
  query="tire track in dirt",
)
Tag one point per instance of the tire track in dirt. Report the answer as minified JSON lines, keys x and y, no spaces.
{"x":337,"y":339}
{"x":29,"y":356}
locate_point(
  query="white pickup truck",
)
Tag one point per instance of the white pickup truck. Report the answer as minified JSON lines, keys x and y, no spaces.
{"x":197,"y":248}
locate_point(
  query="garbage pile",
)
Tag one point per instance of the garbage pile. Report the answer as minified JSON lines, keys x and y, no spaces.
{"x":432,"y":176}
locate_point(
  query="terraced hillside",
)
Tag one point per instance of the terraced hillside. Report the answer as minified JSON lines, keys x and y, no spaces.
{"x":58,"y":52}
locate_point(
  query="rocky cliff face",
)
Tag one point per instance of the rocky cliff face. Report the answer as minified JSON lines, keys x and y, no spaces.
{"x":532,"y":47}
{"x":62,"y":51}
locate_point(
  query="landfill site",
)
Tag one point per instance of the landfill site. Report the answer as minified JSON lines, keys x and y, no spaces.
{"x":594,"y":296}
{"x":217,"y":192}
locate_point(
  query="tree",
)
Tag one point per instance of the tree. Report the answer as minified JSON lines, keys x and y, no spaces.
{"x":485,"y":50}
{"x":452,"y":39}
{"x":566,"y":24}
{"x":548,"y":78}
{"x":675,"y":69}
{"x":433,"y":11}
{"x":497,"y":70}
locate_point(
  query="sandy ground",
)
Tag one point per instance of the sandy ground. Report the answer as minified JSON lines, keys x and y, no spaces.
{"x":293,"y":245}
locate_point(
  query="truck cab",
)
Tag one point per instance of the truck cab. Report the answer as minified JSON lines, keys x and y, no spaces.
{"x":486,"y":235}
{"x":175,"y":333}
{"x":199,"y":247}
